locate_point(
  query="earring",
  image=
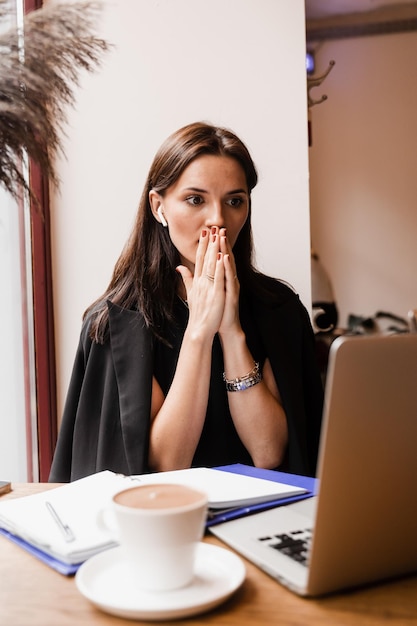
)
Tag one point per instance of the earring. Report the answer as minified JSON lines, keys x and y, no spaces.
{"x":161,"y":217}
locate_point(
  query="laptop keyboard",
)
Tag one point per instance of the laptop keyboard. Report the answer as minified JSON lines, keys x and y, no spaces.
{"x":295,"y":544}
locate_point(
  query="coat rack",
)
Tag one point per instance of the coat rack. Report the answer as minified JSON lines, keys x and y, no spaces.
{"x":315,"y":81}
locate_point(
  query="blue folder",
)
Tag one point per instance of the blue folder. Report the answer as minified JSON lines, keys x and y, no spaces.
{"x":310,"y":484}
{"x":306,"y":482}
{"x":56,"y":564}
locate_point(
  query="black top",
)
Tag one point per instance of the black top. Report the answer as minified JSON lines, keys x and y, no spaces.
{"x":219,"y":443}
{"x":106,"y":419}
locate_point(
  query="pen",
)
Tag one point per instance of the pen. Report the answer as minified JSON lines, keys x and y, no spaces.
{"x":64,"y":528}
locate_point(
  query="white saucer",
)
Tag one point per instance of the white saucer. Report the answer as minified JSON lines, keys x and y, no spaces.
{"x":104,"y":581}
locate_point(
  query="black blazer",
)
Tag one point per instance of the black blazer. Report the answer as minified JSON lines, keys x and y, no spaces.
{"x":106,"y":419}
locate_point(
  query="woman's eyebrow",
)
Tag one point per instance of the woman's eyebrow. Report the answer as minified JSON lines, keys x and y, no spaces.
{"x":196,"y":189}
{"x":229,"y":193}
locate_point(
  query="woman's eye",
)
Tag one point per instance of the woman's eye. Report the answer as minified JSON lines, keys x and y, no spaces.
{"x":195,"y":200}
{"x":235,"y":202}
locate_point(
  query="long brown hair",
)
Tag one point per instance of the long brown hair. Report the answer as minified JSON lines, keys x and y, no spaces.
{"x":144,"y":276}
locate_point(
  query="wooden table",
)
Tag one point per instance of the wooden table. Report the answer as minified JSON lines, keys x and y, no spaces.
{"x":33,"y":594}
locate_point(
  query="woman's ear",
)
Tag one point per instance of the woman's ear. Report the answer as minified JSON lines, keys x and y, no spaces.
{"x":155,"y":201}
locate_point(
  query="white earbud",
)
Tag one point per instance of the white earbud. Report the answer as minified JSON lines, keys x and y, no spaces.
{"x":161,"y":217}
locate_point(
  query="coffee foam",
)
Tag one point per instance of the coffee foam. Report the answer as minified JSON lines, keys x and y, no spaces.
{"x":158,"y":496}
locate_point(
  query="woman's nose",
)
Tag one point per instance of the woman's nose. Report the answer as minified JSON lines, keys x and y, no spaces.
{"x":215,"y":216}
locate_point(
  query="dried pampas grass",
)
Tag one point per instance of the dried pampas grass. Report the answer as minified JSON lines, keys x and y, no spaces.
{"x":38,"y":74}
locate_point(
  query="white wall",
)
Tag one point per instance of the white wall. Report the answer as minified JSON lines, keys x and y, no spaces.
{"x":238,"y":63}
{"x":363,"y":173}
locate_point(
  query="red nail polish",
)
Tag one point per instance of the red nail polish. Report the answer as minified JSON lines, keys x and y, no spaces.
{"x":204,"y":233}
{"x":219,"y":256}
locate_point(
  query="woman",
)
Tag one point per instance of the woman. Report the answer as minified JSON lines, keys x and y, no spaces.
{"x":192,"y":357}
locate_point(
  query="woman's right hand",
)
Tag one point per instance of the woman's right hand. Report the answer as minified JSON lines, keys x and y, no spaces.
{"x":206,"y":295}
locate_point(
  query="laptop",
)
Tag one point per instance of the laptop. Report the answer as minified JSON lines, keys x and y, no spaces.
{"x":362,"y":525}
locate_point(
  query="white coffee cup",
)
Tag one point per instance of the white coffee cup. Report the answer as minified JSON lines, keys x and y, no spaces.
{"x":158,"y":527}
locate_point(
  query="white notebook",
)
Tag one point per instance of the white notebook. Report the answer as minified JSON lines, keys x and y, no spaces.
{"x":226,"y":489}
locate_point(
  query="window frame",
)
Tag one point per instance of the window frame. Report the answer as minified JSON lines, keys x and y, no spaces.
{"x":43,"y":310}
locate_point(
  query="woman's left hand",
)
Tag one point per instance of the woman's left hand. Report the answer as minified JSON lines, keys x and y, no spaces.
{"x":230,"y":320}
